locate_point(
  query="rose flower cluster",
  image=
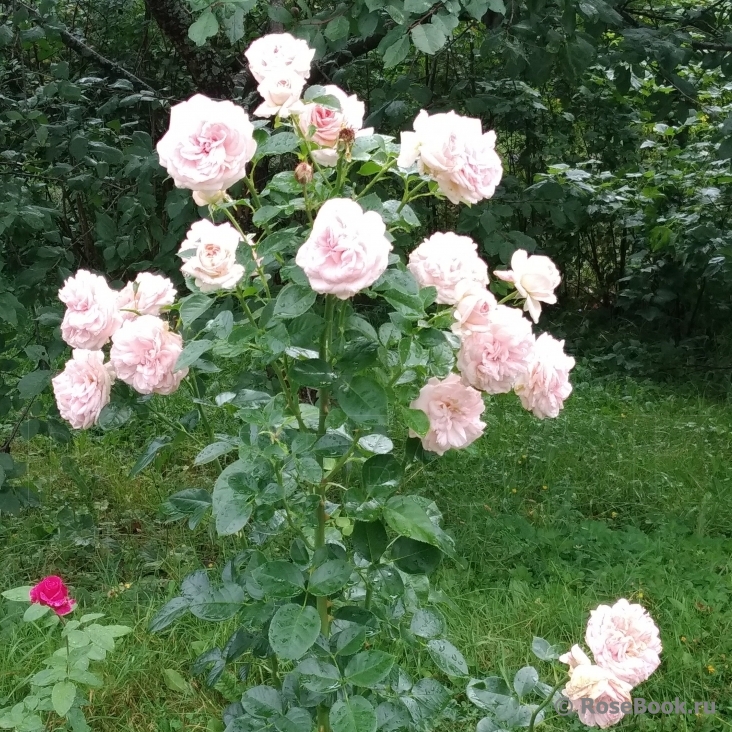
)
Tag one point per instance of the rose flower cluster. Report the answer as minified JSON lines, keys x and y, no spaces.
{"x":626,"y":646}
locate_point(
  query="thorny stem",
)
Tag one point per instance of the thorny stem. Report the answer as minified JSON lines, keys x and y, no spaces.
{"x":544,"y":704}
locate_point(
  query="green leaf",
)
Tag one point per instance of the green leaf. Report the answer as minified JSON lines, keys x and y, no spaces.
{"x":313,"y":373}
{"x":370,"y":539}
{"x":407,"y":516}
{"x":293,"y":630}
{"x":294,"y":300}
{"x":416,"y":420}
{"x":232,"y":508}
{"x":87,"y":678}
{"x":427,"y":624}
{"x":191,"y":353}
{"x":32,"y":384}
{"x":525,"y":680}
{"x":18,"y":594}
{"x":279,"y":144}
{"x":417,"y":6}
{"x":175,"y":682}
{"x":169,"y":613}
{"x":205,"y":26}
{"x":447,"y":658}
{"x":397,"y":52}
{"x":279,"y":578}
{"x":35,"y":612}
{"x":369,"y":668}
{"x":350,"y":640}
{"x":337,"y":28}
{"x":157,"y":444}
{"x":62,"y":697}
{"x":213,"y":451}
{"x":376,"y":443}
{"x":194,"y":306}
{"x":329,"y":577}
{"x":544,"y":650}
{"x":364,"y":401}
{"x":218,"y":604}
{"x":428,"y":38}
{"x":354,"y":715}
{"x":381,"y":475}
{"x":190,"y":503}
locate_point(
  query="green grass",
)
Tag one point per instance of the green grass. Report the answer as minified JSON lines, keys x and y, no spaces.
{"x":627,"y":494}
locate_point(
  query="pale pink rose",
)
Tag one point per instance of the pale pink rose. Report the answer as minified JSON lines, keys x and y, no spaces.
{"x":91,"y":311}
{"x":327,"y":124}
{"x":210,"y":198}
{"x":444,"y":260}
{"x":590,"y":682}
{"x":143,"y":354}
{"x":454,"y":412}
{"x":207,"y":145}
{"x":624,"y":640}
{"x":492,"y":359}
{"x":544,"y":385}
{"x":535,"y":278}
{"x":277,"y":52}
{"x":281,"y":92}
{"x":209,"y":256}
{"x":346,"y":251}
{"x":474,"y":303}
{"x":456,"y":152}
{"x":82,"y":389}
{"x":575,"y":657}
{"x":147,"y":295}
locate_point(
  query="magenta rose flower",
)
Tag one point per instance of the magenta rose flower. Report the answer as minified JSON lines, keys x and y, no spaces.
{"x":53,"y":593}
{"x":347,"y":250}
{"x":147,"y":295}
{"x":454,"y":413}
{"x":143,"y":354}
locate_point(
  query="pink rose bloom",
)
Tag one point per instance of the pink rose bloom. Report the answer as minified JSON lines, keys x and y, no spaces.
{"x":91,"y":311}
{"x":456,"y":152}
{"x":210,"y":198}
{"x":492,"y":359}
{"x":474,"y":304}
{"x":444,"y":260}
{"x":207,"y":145}
{"x":281,"y":92}
{"x":624,"y":640}
{"x":587,"y":681}
{"x":143,"y":354}
{"x":277,"y":52}
{"x":329,"y":123}
{"x":145,"y":296}
{"x":535,"y":278}
{"x":544,"y":385}
{"x":209,"y":256}
{"x":575,"y":657}
{"x":346,"y":251}
{"x":454,"y":412}
{"x":82,"y":389}
{"x":53,"y":593}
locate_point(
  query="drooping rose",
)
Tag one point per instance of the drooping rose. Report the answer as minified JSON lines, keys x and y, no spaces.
{"x":52,"y":592}
{"x":207,"y":145}
{"x":454,"y":413}
{"x":325,"y":126}
{"x":82,"y":389}
{"x":278,"y":52}
{"x":492,"y":359}
{"x":445,"y":259}
{"x":346,"y":251}
{"x":209,"y":256}
{"x":473,"y":304}
{"x":544,"y":385}
{"x":143,"y":354}
{"x":456,"y":152}
{"x":91,"y":311}
{"x":624,"y":640}
{"x":281,"y":92}
{"x":603,"y":688}
{"x":535,"y":278}
{"x":145,"y":296}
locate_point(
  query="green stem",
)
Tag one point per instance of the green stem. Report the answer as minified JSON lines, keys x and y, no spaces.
{"x":291,"y":403}
{"x":324,"y":393}
{"x":377,"y":178}
{"x":544,"y":704}
{"x":323,"y":719}
{"x":406,"y":198}
{"x":511,"y":296}
{"x":244,"y":239}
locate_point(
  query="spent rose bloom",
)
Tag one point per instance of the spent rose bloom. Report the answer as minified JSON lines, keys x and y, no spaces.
{"x":277,"y":52}
{"x":346,"y":251}
{"x":146,"y":295}
{"x":575,"y":657}
{"x":444,"y":260}
{"x":456,"y":152}
{"x":281,"y":92}
{"x":207,"y":145}
{"x":52,"y":592}
{"x":624,"y":640}
{"x":587,"y":681}
{"x":329,"y":123}
{"x":492,"y":359}
{"x":209,"y":256}
{"x":91,"y":311}
{"x":454,"y":413}
{"x":544,"y":385}
{"x":473,"y":304}
{"x":535,"y":278}
{"x":143,"y":354}
{"x":82,"y":389}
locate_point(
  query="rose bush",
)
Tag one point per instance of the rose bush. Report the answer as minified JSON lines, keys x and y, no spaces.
{"x":296,"y":388}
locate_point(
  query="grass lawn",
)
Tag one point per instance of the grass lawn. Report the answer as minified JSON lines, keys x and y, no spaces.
{"x":627,"y":494}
